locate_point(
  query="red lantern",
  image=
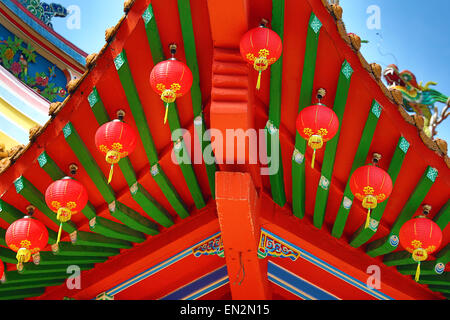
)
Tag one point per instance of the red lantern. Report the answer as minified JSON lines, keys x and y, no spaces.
{"x":66,"y":197}
{"x":261,"y":47}
{"x":371,"y":185}
{"x":317,"y":124}
{"x":2,"y":271}
{"x":171,"y":79}
{"x":117,"y":140}
{"x":26,"y":236}
{"x":420,"y":236}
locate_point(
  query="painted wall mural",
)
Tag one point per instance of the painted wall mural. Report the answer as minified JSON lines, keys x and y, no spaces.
{"x":26,"y":64}
{"x":44,"y":11}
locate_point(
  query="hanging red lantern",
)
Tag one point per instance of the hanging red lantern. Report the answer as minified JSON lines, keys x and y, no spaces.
{"x":117,"y":140}
{"x":26,"y":236}
{"x":371,"y":185}
{"x":421,"y":237}
{"x":66,"y":197}
{"x":171,"y":79}
{"x":317,"y":124}
{"x":261,"y":47}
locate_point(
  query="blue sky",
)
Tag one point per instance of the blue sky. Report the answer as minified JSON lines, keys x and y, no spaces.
{"x":412,"y":34}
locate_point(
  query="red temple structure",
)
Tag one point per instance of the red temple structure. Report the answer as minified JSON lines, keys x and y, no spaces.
{"x":231,"y":223}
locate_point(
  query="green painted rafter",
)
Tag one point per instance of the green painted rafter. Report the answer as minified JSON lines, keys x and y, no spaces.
{"x":390,"y":242}
{"x":358,"y":161}
{"x":71,"y":250}
{"x":440,"y":280}
{"x":82,"y":238}
{"x":340,"y":102}
{"x":273,"y":125}
{"x":362,"y":235}
{"x":306,"y":91}
{"x":21,"y":294}
{"x":14,"y":277}
{"x":48,"y":258}
{"x":114,"y":230}
{"x":187,"y":30}
{"x":133,"y":219}
{"x":31,"y":268}
{"x":27,"y":286}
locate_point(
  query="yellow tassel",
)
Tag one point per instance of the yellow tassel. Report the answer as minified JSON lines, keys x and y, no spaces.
{"x":167,"y":113}
{"x":258,"y":83}
{"x":59,"y":233}
{"x":313,"y":159}
{"x":368,"y":219}
{"x":111,"y":171}
{"x":418,"y":272}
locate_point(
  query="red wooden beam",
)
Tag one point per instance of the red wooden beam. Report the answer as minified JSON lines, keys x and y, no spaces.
{"x":237,"y":208}
{"x":134,"y":261}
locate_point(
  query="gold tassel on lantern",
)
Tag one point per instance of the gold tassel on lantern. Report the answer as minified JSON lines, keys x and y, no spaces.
{"x":369,"y":203}
{"x":23,"y":255}
{"x":367,"y":220}
{"x":63,"y":215}
{"x":112,"y":157}
{"x":167,"y":113}
{"x":417,"y":272}
{"x":315,"y":142}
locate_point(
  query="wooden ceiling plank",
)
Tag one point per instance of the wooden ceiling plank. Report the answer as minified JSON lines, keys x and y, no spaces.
{"x":133,"y":219}
{"x":340,"y":102}
{"x":115,"y":230}
{"x":184,"y":9}
{"x":276,"y":70}
{"x":362,"y":235}
{"x":390,"y":242}
{"x":83,"y":238}
{"x":87,"y":161}
{"x":52,"y":169}
{"x":440,"y":288}
{"x":21,"y":294}
{"x":26,"y":189}
{"x":306,"y":91}
{"x":358,"y":161}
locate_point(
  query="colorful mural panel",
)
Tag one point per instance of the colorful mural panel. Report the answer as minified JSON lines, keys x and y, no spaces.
{"x":20,"y":58}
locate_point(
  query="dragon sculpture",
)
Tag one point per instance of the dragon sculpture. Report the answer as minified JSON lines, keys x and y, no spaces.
{"x":417,"y":98}
{"x":44,"y":11}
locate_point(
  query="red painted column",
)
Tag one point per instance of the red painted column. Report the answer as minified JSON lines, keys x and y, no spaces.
{"x":238,"y":211}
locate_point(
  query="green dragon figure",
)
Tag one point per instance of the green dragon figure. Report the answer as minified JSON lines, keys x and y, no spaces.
{"x":417,"y":98}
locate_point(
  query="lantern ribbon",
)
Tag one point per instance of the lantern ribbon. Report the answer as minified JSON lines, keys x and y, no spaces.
{"x":59,"y":233}
{"x":417,"y":272}
{"x":368,"y":219}
{"x":167,"y":113}
{"x":111,"y":172}
{"x":313,"y":160}
{"x":258,"y":82}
